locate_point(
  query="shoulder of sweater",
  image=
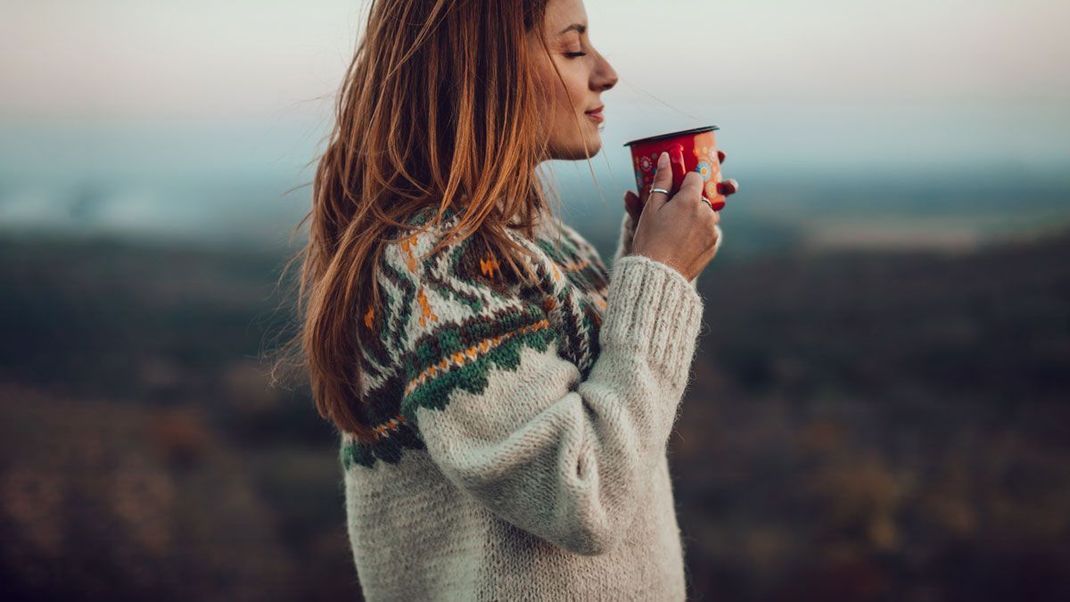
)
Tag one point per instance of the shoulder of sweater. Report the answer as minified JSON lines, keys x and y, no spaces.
{"x":419,"y":237}
{"x":423,"y":244}
{"x":427,"y":277}
{"x":577,"y":239}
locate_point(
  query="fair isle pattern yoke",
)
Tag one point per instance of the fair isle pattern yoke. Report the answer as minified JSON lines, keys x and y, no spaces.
{"x":573,"y":288}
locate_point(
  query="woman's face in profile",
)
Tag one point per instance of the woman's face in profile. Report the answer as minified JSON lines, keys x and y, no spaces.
{"x":573,"y":109}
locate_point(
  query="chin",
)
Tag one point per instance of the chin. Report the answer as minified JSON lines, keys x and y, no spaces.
{"x":575,"y":151}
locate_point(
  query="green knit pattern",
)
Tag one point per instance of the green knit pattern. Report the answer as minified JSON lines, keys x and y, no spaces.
{"x":407,"y":369}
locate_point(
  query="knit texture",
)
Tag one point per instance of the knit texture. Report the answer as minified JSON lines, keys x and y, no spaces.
{"x":521,"y":449}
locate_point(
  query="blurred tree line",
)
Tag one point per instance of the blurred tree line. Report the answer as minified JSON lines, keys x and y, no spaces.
{"x":860,"y":426}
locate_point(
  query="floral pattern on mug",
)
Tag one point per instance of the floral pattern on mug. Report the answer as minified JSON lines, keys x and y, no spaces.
{"x":705,"y":169}
{"x":645,"y":163}
{"x":703,"y":152}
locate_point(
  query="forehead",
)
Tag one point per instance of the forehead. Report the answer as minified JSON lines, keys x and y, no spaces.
{"x":562,"y":13}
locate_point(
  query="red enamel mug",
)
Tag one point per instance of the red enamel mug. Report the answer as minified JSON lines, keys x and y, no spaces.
{"x":689,"y":150}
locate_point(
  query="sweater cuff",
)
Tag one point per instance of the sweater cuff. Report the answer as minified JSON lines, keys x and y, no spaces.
{"x":653,"y":309}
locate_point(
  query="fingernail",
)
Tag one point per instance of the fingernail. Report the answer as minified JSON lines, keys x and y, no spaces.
{"x":727,"y":187}
{"x":663,"y":160}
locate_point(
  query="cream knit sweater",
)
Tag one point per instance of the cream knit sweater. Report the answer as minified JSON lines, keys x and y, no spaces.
{"x":522,"y":431}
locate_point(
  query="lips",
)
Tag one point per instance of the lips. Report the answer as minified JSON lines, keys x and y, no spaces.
{"x":596,"y":113}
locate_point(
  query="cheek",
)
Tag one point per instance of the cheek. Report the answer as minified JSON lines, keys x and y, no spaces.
{"x":576,"y":87}
{"x":567,"y":94}
{"x":554,"y":99}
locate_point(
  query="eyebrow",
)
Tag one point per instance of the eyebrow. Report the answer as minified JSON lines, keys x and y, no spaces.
{"x":580,"y":27}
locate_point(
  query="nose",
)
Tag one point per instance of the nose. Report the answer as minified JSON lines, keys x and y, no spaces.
{"x":604,"y":77}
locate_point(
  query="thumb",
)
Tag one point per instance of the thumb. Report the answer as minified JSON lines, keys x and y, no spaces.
{"x":663,"y":180}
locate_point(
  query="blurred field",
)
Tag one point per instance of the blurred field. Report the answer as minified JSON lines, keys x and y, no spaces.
{"x":862,"y":425}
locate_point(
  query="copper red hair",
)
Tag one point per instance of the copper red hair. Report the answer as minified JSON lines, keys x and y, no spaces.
{"x":440,"y":107}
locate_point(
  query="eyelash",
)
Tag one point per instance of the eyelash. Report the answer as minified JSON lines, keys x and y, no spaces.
{"x":573,"y":55}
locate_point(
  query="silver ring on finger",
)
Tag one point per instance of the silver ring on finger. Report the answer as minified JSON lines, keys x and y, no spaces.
{"x":653,"y":190}
{"x":707,"y":201}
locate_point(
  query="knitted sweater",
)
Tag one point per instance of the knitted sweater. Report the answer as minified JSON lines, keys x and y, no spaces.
{"x":521,"y":449}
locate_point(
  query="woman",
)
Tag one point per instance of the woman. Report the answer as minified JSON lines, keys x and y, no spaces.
{"x":504,"y":402}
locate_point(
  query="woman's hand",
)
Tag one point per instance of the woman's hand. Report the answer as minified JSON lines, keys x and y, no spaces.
{"x":634,"y":205}
{"x":679,"y":231}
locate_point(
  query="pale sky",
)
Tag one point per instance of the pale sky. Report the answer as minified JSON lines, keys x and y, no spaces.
{"x":201,"y":115}
{"x":103,"y":59}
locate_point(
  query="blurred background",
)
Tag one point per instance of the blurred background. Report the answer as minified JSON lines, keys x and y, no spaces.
{"x":878,"y":409}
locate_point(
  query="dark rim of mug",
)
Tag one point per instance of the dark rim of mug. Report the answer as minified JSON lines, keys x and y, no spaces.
{"x":708,"y":128}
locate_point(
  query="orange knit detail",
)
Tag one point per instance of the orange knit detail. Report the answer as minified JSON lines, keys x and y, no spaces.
{"x":369,"y":316}
{"x":488,"y":265}
{"x":383,"y":430}
{"x":426,"y":314}
{"x":471,"y":354}
{"x":406,"y":246}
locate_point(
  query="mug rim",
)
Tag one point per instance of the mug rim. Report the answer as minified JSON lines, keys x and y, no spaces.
{"x":698,"y":130}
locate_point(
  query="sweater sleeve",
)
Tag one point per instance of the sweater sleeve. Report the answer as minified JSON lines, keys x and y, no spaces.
{"x":627,"y":232}
{"x":516,"y":426}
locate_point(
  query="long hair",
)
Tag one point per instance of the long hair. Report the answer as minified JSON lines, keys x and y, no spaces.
{"x":440,"y":107}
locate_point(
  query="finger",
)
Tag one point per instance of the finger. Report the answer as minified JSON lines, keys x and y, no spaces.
{"x":720,"y":157}
{"x":691,"y":188}
{"x":663,"y":180}
{"x":728,"y":187}
{"x":633,"y":205}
